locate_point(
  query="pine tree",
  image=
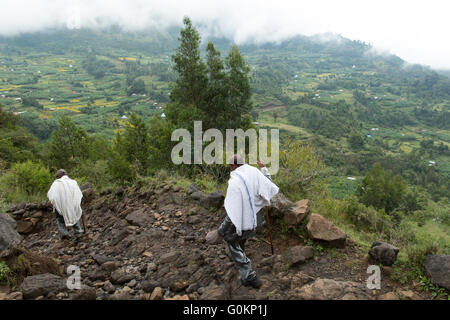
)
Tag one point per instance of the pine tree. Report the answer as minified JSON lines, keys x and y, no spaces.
{"x":188,"y":94}
{"x":238,"y":90}
{"x":69,"y":144}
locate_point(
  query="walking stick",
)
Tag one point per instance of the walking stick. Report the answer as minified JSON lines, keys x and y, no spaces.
{"x":83,"y":218}
{"x":268,"y":227}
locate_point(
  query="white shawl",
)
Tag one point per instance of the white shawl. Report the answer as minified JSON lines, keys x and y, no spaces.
{"x":65,"y":196}
{"x":248,"y":192}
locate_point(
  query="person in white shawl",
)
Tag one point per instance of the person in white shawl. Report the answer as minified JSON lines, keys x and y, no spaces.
{"x":65,"y":196}
{"x":249,"y":191}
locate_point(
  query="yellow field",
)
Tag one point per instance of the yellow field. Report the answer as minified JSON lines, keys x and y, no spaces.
{"x":127,"y":58}
{"x":71,"y":108}
{"x":104,"y":103}
{"x":311,"y":85}
{"x":405,"y":148}
{"x":11,"y":87}
{"x":323,"y":75}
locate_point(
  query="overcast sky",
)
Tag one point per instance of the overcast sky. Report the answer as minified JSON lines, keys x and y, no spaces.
{"x":416,"y":30}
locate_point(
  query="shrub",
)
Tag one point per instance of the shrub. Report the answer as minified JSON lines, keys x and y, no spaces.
{"x":382,"y":190}
{"x":4,"y":271}
{"x":30,"y":177}
{"x":95,"y":172}
{"x":300,"y":170}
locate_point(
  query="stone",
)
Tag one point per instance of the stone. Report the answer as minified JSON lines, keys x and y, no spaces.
{"x":139,"y":218}
{"x":98,"y":274}
{"x":85,"y":186}
{"x":299,"y":254}
{"x":179,"y":213}
{"x":109,"y":287}
{"x":110,"y":266}
{"x":213,"y":200}
{"x":122,"y":234}
{"x":85,"y":294}
{"x":321,"y":229}
{"x":17,"y":295}
{"x":119,"y":191}
{"x":101,"y":259}
{"x":179,"y":285}
{"x":409,"y":295}
{"x":149,"y":285}
{"x":42,"y":285}
{"x":279,"y":205}
{"x":151,"y":267}
{"x":157,"y":294}
{"x":120,"y":276}
{"x":296,"y":214}
{"x":437,"y":268}
{"x":25,"y":226}
{"x":88,"y":194}
{"x":9,"y":237}
{"x":328,"y":289}
{"x":192,"y":188}
{"x":388,"y":296}
{"x":213,"y":292}
{"x":197,"y":195}
{"x":147,"y":254}
{"x":300,"y":279}
{"x":178,"y":297}
{"x":383,"y":253}
{"x":169,"y":257}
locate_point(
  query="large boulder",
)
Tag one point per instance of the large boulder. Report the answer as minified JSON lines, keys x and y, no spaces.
{"x":121,"y":276}
{"x":41,"y":285}
{"x":279,"y":205}
{"x":437,"y":268}
{"x":321,"y":229}
{"x":384,"y":253}
{"x":139,"y":218}
{"x":26,"y":226}
{"x":192,"y":188}
{"x":9,"y":237}
{"x":293,"y":216}
{"x":213,"y":200}
{"x":328,"y":289}
{"x":299,"y":254}
{"x":213,"y":292}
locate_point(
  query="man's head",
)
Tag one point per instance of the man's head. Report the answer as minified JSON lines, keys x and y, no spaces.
{"x":60,"y":173}
{"x":235,"y":162}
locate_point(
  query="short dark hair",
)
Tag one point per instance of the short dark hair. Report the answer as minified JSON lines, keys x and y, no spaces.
{"x":60,"y":173}
{"x":237,"y":160}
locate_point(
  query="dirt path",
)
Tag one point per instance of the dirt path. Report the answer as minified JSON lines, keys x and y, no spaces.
{"x":138,"y":241}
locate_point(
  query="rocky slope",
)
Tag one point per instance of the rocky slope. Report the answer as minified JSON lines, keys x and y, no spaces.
{"x":149,"y":244}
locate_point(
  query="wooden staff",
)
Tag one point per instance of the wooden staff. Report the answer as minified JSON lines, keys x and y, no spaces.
{"x":268,"y":227}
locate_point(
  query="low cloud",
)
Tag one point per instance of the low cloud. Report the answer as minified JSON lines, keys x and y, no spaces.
{"x":414,"y":30}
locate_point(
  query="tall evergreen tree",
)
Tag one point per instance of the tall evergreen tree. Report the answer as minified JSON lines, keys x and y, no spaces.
{"x":188,"y":94}
{"x":69,"y":144}
{"x":238,"y":90}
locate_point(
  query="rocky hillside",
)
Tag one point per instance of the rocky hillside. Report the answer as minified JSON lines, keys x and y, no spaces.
{"x":149,"y":244}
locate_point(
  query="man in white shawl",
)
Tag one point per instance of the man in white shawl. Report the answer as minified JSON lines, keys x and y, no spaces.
{"x":249,"y":191}
{"x":65,"y":196}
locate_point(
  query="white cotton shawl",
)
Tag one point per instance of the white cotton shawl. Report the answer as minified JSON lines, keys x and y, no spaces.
{"x":248,"y":192}
{"x":65,"y":196}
